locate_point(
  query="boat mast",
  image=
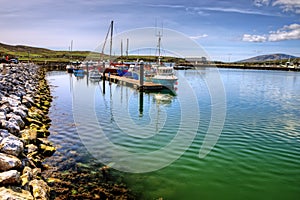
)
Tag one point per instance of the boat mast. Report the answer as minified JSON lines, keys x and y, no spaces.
{"x":103,"y":47}
{"x":127,"y":46}
{"x":111,"y":35}
{"x":71,"y":48}
{"x":159,"y":41}
{"x":121,"y":48}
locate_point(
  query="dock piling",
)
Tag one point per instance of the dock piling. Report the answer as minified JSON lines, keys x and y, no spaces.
{"x":141,"y":75}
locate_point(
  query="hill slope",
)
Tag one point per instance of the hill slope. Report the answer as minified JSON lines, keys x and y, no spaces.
{"x":269,"y":57}
{"x":37,"y":54}
{"x":5,"y":48}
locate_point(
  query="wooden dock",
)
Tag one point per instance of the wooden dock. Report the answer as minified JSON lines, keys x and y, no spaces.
{"x":147,"y":86}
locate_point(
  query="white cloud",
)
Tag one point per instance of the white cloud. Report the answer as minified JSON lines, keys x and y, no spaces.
{"x":254,"y":38}
{"x":288,"y":5}
{"x":288,"y":32}
{"x":260,"y":3}
{"x":198,"y":36}
{"x":285,"y":5}
{"x":237,"y":10}
{"x":291,"y":32}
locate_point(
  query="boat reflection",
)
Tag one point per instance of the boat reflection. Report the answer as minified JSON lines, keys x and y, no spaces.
{"x":163,"y":98}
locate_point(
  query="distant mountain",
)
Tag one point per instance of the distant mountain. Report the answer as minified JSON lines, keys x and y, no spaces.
{"x":269,"y":57}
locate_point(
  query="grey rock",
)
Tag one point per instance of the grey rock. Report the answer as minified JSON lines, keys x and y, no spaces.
{"x":14,"y":102}
{"x":21,"y":111}
{"x":10,"y":177}
{"x":12,"y":127}
{"x":3,"y":134}
{"x":2,"y":115}
{"x":11,"y":145}
{"x":8,"y":162}
{"x":16,"y":119}
{"x":5,"y":107}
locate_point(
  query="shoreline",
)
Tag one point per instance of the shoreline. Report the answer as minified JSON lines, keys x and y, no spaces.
{"x":25,"y":101}
{"x":62,"y":66}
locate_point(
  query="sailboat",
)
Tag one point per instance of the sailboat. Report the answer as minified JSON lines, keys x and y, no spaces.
{"x":164,"y":75}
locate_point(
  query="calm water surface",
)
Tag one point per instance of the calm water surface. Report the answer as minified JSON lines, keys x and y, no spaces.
{"x":257,"y":155}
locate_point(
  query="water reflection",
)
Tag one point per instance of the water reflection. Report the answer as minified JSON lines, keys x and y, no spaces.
{"x":261,"y":131}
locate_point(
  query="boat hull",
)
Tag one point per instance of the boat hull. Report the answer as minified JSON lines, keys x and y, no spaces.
{"x":165,"y":82}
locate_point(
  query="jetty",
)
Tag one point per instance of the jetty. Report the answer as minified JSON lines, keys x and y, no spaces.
{"x":136,"y":84}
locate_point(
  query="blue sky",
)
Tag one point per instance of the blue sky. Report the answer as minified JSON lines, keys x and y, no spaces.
{"x":227,"y":30}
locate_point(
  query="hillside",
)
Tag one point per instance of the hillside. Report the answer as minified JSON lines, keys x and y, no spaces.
{"x":37,"y":54}
{"x":42,"y":55}
{"x":269,"y":57}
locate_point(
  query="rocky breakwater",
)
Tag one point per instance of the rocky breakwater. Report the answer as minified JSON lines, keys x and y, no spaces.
{"x":24,"y":103}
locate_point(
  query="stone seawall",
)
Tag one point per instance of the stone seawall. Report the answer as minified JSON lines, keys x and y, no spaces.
{"x":24,"y":104}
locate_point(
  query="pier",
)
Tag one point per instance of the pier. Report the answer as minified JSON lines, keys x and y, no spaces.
{"x":145,"y":86}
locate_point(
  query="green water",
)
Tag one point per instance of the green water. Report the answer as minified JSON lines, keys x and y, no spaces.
{"x":256,"y":156}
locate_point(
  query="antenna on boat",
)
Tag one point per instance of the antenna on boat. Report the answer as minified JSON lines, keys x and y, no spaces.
{"x":159,"y":35}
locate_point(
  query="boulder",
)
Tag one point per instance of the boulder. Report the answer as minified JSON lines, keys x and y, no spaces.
{"x":11,"y":126}
{"x":35,"y":113}
{"x":5,"y":108}
{"x":36,"y":173}
{"x":9,"y":194}
{"x":29,"y":136}
{"x":40,"y":189}
{"x":3,"y":134}
{"x":8,"y":162}
{"x":10,"y":177}
{"x":47,"y":150}
{"x":11,"y":145}
{"x":14,"y":102}
{"x":16,"y":118}
{"x":31,"y":148}
{"x":21,"y":111}
{"x":26,"y":176}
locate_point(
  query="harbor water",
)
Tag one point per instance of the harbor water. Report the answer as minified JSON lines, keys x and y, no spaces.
{"x":256,"y":155}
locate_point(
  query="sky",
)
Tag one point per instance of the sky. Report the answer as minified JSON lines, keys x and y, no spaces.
{"x":227,"y":30}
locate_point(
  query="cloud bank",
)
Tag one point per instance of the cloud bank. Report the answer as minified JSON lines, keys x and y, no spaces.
{"x":288,"y":32}
{"x":285,"y":5}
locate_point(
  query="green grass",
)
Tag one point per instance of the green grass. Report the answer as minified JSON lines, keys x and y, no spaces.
{"x":42,"y":55}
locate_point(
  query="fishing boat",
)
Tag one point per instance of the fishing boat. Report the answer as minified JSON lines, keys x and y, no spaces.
{"x":165,"y":76}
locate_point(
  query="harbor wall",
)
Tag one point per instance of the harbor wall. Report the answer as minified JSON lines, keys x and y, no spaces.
{"x":24,"y":104}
